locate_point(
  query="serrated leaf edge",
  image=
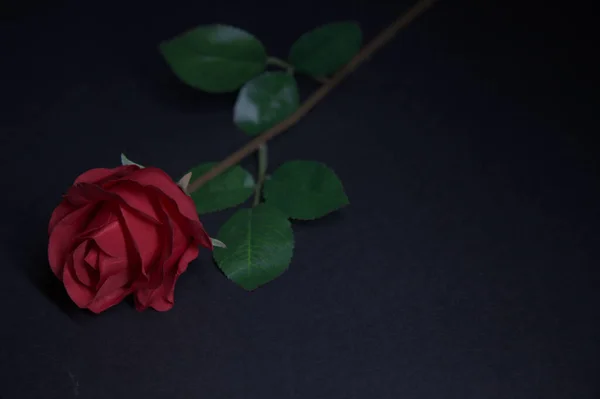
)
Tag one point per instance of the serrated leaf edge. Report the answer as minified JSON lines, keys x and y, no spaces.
{"x":345,"y":204}
{"x":249,"y":183}
{"x":289,"y":262}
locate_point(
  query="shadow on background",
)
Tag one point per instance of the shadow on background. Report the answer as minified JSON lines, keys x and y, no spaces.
{"x":27,"y":248}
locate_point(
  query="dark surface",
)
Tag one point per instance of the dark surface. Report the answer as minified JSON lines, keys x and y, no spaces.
{"x":465,"y":267}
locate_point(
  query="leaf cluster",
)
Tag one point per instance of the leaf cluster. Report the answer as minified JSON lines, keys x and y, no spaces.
{"x":221,"y":59}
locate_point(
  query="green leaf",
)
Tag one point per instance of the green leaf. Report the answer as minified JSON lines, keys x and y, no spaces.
{"x":228,"y":189}
{"x":265,"y":101}
{"x":215,"y":58}
{"x":260,"y":244}
{"x":305,"y":190}
{"x":125,"y":161}
{"x":326,"y":49}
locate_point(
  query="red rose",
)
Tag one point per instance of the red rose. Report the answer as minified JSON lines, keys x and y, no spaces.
{"x":124,"y":231}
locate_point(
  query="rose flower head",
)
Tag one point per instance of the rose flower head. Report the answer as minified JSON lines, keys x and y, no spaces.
{"x":121,"y":231}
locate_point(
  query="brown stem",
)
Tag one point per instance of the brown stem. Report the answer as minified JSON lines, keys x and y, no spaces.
{"x":365,"y":53}
{"x":262,"y":172}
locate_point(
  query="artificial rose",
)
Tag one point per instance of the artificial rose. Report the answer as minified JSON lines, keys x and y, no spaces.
{"x":121,"y":231}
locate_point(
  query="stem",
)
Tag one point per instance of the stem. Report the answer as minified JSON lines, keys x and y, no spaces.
{"x":290,"y":68}
{"x":280,"y":63}
{"x":263,"y":157}
{"x":365,"y":53}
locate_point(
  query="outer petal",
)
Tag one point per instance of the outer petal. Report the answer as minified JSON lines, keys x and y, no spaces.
{"x":178,"y":239}
{"x":155,"y":177}
{"x":186,"y":234}
{"x":165,"y":295}
{"x":100,"y":304}
{"x":115,"y":283}
{"x":184,"y":250}
{"x":192,"y":228}
{"x":80,"y":294}
{"x":200,"y":235}
{"x":86,"y":193}
{"x":99,"y":175}
{"x":142,"y":298}
{"x":61,"y":211}
{"x":145,"y":290}
{"x":64,"y":237}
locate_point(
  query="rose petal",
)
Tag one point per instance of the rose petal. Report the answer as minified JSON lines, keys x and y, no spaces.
{"x":92,"y":256}
{"x":100,"y":304}
{"x":64,"y":235}
{"x":62,"y":210}
{"x":113,"y":283}
{"x":190,"y":227}
{"x":86,"y":193}
{"x":184,"y":251}
{"x":165,"y":295}
{"x":186,"y":234}
{"x":144,"y":236}
{"x":144,"y":290}
{"x":142,"y":298}
{"x":109,"y":266}
{"x":99,"y":175}
{"x":159,"y":301}
{"x":84,"y":273}
{"x":200,"y":235}
{"x":179,"y":242}
{"x":157,"y":178}
{"x":134,"y":196}
{"x":102,"y":216}
{"x":111,"y":240}
{"x":79,"y":293}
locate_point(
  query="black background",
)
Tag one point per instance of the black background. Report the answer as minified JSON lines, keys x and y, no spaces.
{"x":465,"y":266}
